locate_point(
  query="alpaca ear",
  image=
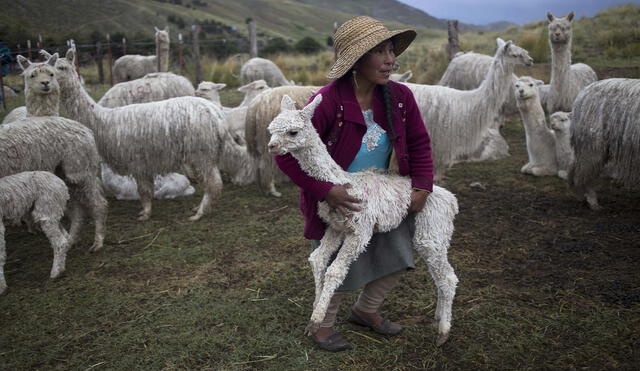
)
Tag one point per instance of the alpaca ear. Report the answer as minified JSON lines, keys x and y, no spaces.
{"x":219,"y":86}
{"x":539,"y":82}
{"x":550,"y":17}
{"x":570,"y":115}
{"x":166,"y":28}
{"x":156,"y":28}
{"x":52,"y":60}
{"x":287,"y":104}
{"x":307,"y":112}
{"x":71,"y":56}
{"x":23,"y":62}
{"x":570,"y":16}
{"x":45,"y":53}
{"x":407,"y":75}
{"x":500,"y":42}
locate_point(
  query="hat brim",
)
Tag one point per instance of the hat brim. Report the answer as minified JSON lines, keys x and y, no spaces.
{"x":401,"y":41}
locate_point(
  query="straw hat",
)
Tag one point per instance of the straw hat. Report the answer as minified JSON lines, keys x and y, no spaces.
{"x":357,"y":36}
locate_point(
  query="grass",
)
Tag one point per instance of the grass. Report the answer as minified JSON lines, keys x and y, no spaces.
{"x":544,"y":284}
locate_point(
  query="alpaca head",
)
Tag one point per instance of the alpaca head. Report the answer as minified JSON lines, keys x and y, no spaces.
{"x":560,"y":122}
{"x":513,"y":54}
{"x":39,"y":78}
{"x":560,"y":28}
{"x":66,"y":70}
{"x":162,"y":36}
{"x":526,"y":87}
{"x":292,"y":131}
{"x":257,"y":86}
{"x":209,"y":91}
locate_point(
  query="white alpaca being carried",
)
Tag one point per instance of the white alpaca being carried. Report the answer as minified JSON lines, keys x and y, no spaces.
{"x":133,"y":66}
{"x":44,"y":141}
{"x":385,"y":201}
{"x":539,"y":139}
{"x":148,"y":139}
{"x":463,"y":123}
{"x":42,"y":197}
{"x":605,"y":135}
{"x":566,"y":79}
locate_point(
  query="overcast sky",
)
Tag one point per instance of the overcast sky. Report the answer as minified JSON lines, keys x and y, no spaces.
{"x":517,"y":11}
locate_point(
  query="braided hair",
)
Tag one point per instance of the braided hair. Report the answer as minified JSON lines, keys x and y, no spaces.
{"x":386,"y":94}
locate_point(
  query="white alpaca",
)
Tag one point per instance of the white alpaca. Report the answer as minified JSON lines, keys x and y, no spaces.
{"x":539,"y":139}
{"x":8,"y":92}
{"x":605,"y":135}
{"x":210,"y":91}
{"x":131,"y":67}
{"x":147,"y":139}
{"x":41,"y":197}
{"x":466,"y":71}
{"x":262,"y":69}
{"x":566,"y":79}
{"x":560,"y":122}
{"x":385,"y":201}
{"x":55,"y":144}
{"x":264,"y":108}
{"x":150,"y":88}
{"x":15,"y":115}
{"x":462,"y":123}
{"x":401,"y":77}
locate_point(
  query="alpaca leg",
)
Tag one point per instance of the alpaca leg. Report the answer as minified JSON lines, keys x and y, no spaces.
{"x":145,"y":190}
{"x":3,"y":259}
{"x":212,"y":184}
{"x":526,"y":169}
{"x":562,"y":174}
{"x":592,"y":199}
{"x":352,"y":247}
{"x":60,"y":245}
{"x":266,"y":178}
{"x":97,"y":205}
{"x":319,"y":258}
{"x":76,"y":215}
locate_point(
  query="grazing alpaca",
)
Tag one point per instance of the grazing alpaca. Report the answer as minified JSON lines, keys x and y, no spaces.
{"x":539,"y":139}
{"x":385,"y":201}
{"x":566,"y":79}
{"x":462,"y":123}
{"x":147,"y":139}
{"x":605,"y":136}
{"x":131,"y":67}
{"x":263,"y":69}
{"x":42,"y":197}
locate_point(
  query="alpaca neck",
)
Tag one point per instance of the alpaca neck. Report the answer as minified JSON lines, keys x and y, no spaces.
{"x":495,"y":87}
{"x":560,"y":64}
{"x":318,"y":164}
{"x":532,"y":112}
{"x":43,"y":104}
{"x":81,"y":107}
{"x":162,"y":53}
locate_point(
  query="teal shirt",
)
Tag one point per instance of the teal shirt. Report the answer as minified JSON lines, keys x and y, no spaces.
{"x":375,"y":148}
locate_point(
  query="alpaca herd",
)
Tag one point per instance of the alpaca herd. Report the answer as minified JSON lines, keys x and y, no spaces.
{"x":152,"y":134}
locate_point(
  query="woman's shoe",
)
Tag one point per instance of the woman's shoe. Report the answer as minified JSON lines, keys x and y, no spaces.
{"x":334,"y":343}
{"x":385,"y":328}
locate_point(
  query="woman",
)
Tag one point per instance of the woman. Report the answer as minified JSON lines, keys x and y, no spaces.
{"x":362,"y":119}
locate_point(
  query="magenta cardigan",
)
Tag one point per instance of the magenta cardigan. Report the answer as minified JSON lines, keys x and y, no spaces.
{"x":340,"y":123}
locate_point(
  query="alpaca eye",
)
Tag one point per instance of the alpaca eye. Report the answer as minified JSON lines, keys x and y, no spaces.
{"x":531,"y":85}
{"x":51,"y":74}
{"x":293,"y":133}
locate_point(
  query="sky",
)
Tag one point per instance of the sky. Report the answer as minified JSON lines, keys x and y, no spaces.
{"x":517,"y":11}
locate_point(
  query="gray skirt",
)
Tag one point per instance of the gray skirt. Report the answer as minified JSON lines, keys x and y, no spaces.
{"x":386,"y":253}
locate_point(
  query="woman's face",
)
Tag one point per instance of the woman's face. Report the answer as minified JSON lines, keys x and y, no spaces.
{"x":377,"y":64}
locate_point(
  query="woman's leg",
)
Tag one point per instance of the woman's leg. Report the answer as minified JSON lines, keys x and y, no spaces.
{"x":373,"y":295}
{"x":326,"y":327}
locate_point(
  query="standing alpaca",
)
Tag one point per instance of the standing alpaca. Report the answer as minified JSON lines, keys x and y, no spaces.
{"x":131,"y":67}
{"x":539,"y":139}
{"x":560,"y":122}
{"x":147,"y":139}
{"x":385,"y":201}
{"x":151,"y":87}
{"x":262,"y":69}
{"x":462,"y":123}
{"x":566,"y":80}
{"x":605,"y":134}
{"x":264,"y":108}
{"x":43,"y":197}
{"x":55,"y":144}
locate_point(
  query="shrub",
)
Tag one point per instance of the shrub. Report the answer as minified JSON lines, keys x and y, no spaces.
{"x":308,"y":45}
{"x":276,"y":45}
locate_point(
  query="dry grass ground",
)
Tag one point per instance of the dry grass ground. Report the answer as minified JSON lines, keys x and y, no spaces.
{"x":545,"y":283}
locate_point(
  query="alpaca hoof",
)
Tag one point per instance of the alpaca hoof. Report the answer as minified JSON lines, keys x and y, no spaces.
{"x":595,"y":207}
{"x":442,"y":338}
{"x":195,"y":218}
{"x":95,"y":247}
{"x":195,"y":208}
{"x":435,"y":324}
{"x":57,"y":276}
{"x":143,"y":217}
{"x":275,"y":194}
{"x":312,"y":328}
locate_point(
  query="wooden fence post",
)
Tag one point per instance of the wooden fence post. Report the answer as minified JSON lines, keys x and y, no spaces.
{"x":2,"y":97}
{"x":99,"y":62}
{"x":180,"y":54}
{"x":454,"y":45}
{"x":109,"y":59}
{"x":253,"y":39}
{"x":29,"y":49}
{"x":196,"y":52}
{"x":38,"y":47}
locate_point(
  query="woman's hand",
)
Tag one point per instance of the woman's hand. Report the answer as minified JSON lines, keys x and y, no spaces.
{"x":339,"y":199}
{"x":418,"y":200}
